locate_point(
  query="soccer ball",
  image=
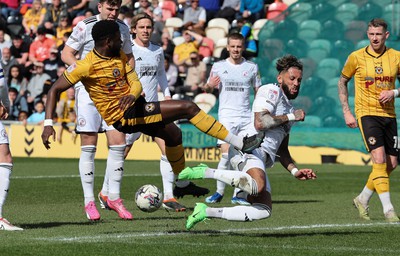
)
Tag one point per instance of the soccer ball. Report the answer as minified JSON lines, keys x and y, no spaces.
{"x":148,"y":198}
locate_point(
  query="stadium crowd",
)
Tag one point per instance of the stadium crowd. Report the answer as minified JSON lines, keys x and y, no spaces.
{"x":33,"y":34}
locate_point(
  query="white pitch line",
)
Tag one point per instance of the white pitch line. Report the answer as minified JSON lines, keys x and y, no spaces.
{"x":107,"y":237}
{"x":77,"y":176}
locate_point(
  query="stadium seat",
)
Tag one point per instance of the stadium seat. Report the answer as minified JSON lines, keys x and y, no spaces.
{"x":391,"y":13}
{"x":168,"y":8}
{"x":368,"y":11}
{"x":333,"y":121}
{"x":346,"y":12}
{"x":341,"y":50}
{"x":323,"y":11}
{"x":276,"y":11}
{"x":178,"y":40}
{"x":328,"y":68}
{"x":205,"y":101}
{"x":319,"y":49}
{"x":206,"y":48}
{"x":309,"y":67}
{"x":219,"y":23}
{"x":173,"y":23}
{"x":337,"y":3}
{"x":362,"y":44}
{"x":299,"y":11}
{"x":323,"y":106}
{"x":267,"y":30}
{"x":215,"y":33}
{"x":332,"y":30}
{"x":309,"y":30}
{"x":296,"y":47}
{"x":219,"y":46}
{"x":313,"y":87}
{"x":257,"y":26}
{"x":285,"y":30}
{"x":271,"y":48}
{"x":356,"y":30}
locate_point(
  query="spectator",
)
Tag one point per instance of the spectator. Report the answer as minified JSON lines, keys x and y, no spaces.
{"x":54,"y":12}
{"x":39,"y":49}
{"x":158,"y":27}
{"x":65,"y":105}
{"x":172,"y":74}
{"x":195,"y":77}
{"x":17,"y":80}
{"x":252,"y":10}
{"x":194,"y":16}
{"x":3,"y":41}
{"x":211,"y":7}
{"x":23,"y":116}
{"x":228,"y":10}
{"x":37,"y":83}
{"x":7,"y":61}
{"x":17,"y":103}
{"x":167,"y":44}
{"x":182,"y":52}
{"x":51,"y":64}
{"x":33,"y":18}
{"x":64,"y":39}
{"x":64,"y":26}
{"x":10,"y":8}
{"x":20,"y":51}
{"x":77,"y":7}
{"x":144,"y":6}
{"x":37,"y":117}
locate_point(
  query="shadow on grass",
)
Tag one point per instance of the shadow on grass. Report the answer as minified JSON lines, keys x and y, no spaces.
{"x":296,"y":201}
{"x":55,"y":224}
{"x":283,"y":235}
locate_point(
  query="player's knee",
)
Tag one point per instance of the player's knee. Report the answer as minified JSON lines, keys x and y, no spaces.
{"x":259,"y":211}
{"x":191,"y":108}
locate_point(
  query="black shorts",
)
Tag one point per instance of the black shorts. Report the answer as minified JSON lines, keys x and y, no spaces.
{"x":379,"y":131}
{"x":142,"y":117}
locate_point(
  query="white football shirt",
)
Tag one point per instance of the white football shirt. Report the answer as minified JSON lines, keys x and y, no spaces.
{"x":149,"y":66}
{"x":234,"y":88}
{"x":271,"y":98}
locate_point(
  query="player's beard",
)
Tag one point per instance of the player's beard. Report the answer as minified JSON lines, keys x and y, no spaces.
{"x":115,"y":51}
{"x":287,"y":92}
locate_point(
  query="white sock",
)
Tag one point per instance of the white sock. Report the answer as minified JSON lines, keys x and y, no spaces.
{"x":167,"y":176}
{"x":86,"y":171}
{"x":222,"y":165}
{"x":385,"y":200}
{"x":240,"y":213}
{"x":365,"y":196}
{"x":115,"y":170}
{"x":236,"y":179}
{"x":5,"y":173}
{"x":234,"y":140}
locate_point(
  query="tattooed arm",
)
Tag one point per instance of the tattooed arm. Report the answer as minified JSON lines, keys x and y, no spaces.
{"x":344,"y":101}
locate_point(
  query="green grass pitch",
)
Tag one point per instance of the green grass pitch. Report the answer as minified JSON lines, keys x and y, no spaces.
{"x":308,"y":218}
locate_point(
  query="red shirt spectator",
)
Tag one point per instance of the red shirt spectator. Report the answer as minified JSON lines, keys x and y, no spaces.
{"x":40,"y":47}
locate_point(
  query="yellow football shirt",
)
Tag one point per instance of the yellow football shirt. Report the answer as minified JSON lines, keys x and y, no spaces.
{"x":106,"y":80}
{"x":372,"y":74}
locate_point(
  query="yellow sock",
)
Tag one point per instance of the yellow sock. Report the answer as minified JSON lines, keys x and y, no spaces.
{"x":176,"y":157}
{"x":209,"y":125}
{"x":380,"y":178}
{"x":370,"y":183}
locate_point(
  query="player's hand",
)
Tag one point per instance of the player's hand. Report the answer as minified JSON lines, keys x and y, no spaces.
{"x":350,"y":120}
{"x":306,"y":174}
{"x":126,"y":101}
{"x":214,"y":81}
{"x":386,"y":96}
{"x":48,"y":131}
{"x":299,"y":114}
{"x":3,"y":111}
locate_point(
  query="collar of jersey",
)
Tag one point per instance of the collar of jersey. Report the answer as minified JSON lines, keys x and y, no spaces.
{"x":101,"y":56}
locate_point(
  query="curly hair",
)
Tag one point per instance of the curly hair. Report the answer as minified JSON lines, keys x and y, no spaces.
{"x":104,"y":29}
{"x":288,"y":61}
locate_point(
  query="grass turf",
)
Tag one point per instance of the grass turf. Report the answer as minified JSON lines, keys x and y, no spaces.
{"x":308,"y":218}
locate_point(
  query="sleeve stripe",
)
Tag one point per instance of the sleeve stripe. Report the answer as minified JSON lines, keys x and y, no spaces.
{"x":69,"y":81}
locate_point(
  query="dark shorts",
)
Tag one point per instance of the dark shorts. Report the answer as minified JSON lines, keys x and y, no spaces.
{"x":379,"y":131}
{"x":142,"y":117}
